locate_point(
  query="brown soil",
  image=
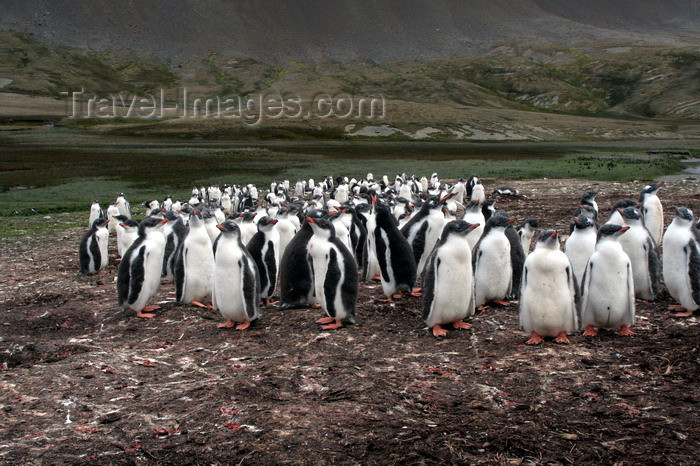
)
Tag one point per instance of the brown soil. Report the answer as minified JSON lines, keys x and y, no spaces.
{"x":83,"y":384}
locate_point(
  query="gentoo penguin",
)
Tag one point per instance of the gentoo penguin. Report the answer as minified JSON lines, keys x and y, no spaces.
{"x":580,"y":245}
{"x":548,"y":293}
{"x":285,"y":227}
{"x":93,"y":247}
{"x":506,"y":191}
{"x":525,"y":232}
{"x":335,"y":275}
{"x":210,"y":224}
{"x":112,"y":213}
{"x":264,"y":247}
{"x":588,"y":199}
{"x":607,"y":287}
{"x":194,"y":264}
{"x":247,"y":226}
{"x":341,"y":230}
{"x":471,"y":182}
{"x":394,"y":254}
{"x":488,"y":208}
{"x":175,"y":231}
{"x":123,"y":205}
{"x":138,"y":276}
{"x":491,"y":259}
{"x":95,"y":212}
{"x":473,"y":214}
{"x":151,"y":205}
{"x":130,"y":231}
{"x":615,"y":217}
{"x":478,"y":193}
{"x":584,"y":210}
{"x":652,"y":210}
{"x":448,"y":284}
{"x":424,"y":229}
{"x":643,"y":253}
{"x":681,"y":262}
{"x":167,"y":203}
{"x":236,"y":283}
{"x":296,"y":276}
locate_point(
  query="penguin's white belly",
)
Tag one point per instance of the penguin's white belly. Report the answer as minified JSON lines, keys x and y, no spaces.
{"x":212,"y":231}
{"x":199,"y":267}
{"x":127,"y":239}
{"x":632,"y":243}
{"x":654,"y":218}
{"x":494,"y":273}
{"x":675,"y":268}
{"x":547,"y":303}
{"x":153,"y":263}
{"x":474,"y":236}
{"x":102,"y":235}
{"x":228,"y":285}
{"x":607,"y":299}
{"x":388,"y":286}
{"x":454,"y":286}
{"x":579,"y":249}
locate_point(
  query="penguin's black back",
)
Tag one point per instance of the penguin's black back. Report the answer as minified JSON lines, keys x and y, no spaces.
{"x":402,"y":262}
{"x":517,"y":259}
{"x":296,"y":280}
{"x":255,"y":247}
{"x":130,"y":273}
{"x":349,"y":287}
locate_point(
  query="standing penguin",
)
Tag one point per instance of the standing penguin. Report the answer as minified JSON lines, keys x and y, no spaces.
{"x":296,"y":275}
{"x":448,"y":285}
{"x":652,"y":210}
{"x":112,"y":213}
{"x":335,"y":275}
{"x":151,"y":206}
{"x":236,"y":283}
{"x":491,"y":258}
{"x":478,"y":193}
{"x":588,"y":199}
{"x":681,"y":262}
{"x":424,"y":229}
{"x":138,"y":277}
{"x":615,"y":217}
{"x":264,"y":248}
{"x":123,"y":205}
{"x":130,"y":231}
{"x":285,"y":227}
{"x":175,"y":231}
{"x":548,"y":292}
{"x":580,"y":245}
{"x":525,"y":232}
{"x":607,"y":287}
{"x":473,"y":214}
{"x":394,"y":254}
{"x":194,"y":264}
{"x":93,"y":247}
{"x":95,"y":212}
{"x":643,"y":253}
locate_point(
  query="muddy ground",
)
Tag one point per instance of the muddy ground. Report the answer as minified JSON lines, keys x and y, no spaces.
{"x":81,"y":384}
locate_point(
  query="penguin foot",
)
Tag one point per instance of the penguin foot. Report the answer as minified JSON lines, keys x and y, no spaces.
{"x":501,"y":303}
{"x":384,"y":300}
{"x":377,"y":278}
{"x":624,"y":330}
{"x":316,"y":306}
{"x":676,"y":307}
{"x":561,"y":338}
{"x":143,"y":315}
{"x":535,"y":339}
{"x":461,"y":324}
{"x":590,"y":331}
{"x":480,"y":307}
{"x":227,"y":324}
{"x":416,"y":294}
{"x":198,"y":304}
{"x":438,"y":331}
{"x":243,"y":326}
{"x":337,"y":324}
{"x":398,"y":295}
{"x":683,"y":314}
{"x":417,"y":290}
{"x":325,"y":320}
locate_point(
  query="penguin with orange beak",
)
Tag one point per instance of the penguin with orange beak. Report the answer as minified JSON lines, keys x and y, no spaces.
{"x":264,"y":247}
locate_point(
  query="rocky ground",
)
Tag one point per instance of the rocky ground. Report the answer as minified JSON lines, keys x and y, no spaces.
{"x":82,"y":384}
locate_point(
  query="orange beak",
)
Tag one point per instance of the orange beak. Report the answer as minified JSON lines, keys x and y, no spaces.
{"x":310,"y":220}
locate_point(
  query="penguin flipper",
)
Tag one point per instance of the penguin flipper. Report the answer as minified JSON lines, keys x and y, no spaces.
{"x":575,"y":298}
{"x":693,"y":258}
{"x":523,"y":312}
{"x":137,"y":274}
{"x":429,"y":279}
{"x":585,"y":289}
{"x":123,"y":285}
{"x":250,"y":286}
{"x":630,"y":293}
{"x":654,"y":265}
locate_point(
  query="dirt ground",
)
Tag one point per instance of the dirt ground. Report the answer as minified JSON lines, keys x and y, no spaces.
{"x":81,"y":384}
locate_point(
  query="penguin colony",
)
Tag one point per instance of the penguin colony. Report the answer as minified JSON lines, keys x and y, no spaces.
{"x":311,"y":243}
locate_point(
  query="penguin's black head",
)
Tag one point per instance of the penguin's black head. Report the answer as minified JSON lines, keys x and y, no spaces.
{"x":582,"y":222}
{"x":170,"y":215}
{"x":500,"y":221}
{"x":548,"y":237}
{"x":623,"y":204}
{"x":266,"y":223}
{"x":630,"y":213}
{"x":684,"y":213}
{"x":150,"y":223}
{"x":246,"y":216}
{"x":229,"y":227}
{"x":651,"y":188}
{"x":129,"y":223}
{"x":95,"y":201}
{"x":186,"y":209}
{"x":100,"y":222}
{"x":531,"y":222}
{"x":321,"y":226}
{"x":611,"y":231}
{"x":206,"y":213}
{"x":459,"y":227}
{"x":121,"y":218}
{"x":589,"y":196}
{"x":587,"y":210}
{"x":474,"y":206}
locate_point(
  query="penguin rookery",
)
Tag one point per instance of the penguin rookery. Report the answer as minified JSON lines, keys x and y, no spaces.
{"x":235,"y":248}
